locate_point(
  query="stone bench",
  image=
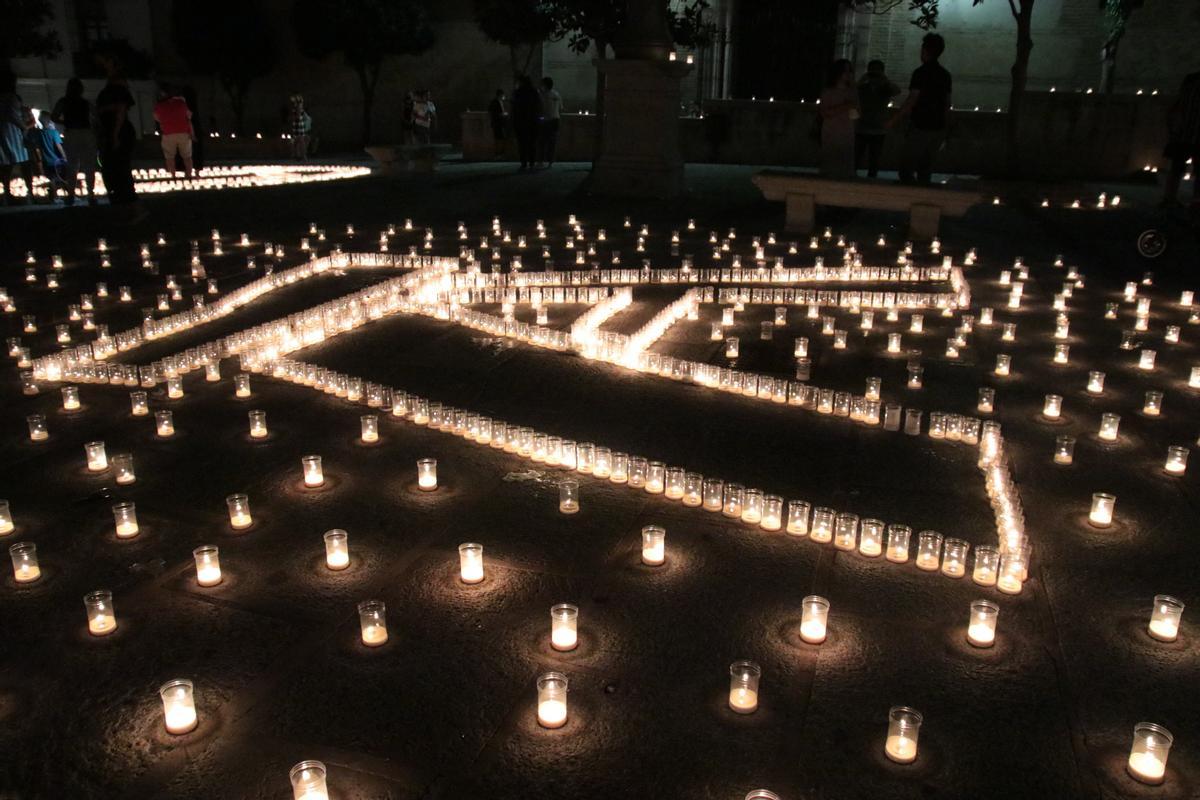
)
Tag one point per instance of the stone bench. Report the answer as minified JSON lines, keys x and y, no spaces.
{"x":395,"y":158}
{"x":802,"y":193}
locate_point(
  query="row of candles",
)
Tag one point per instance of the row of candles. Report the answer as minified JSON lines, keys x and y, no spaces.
{"x":161,"y":182}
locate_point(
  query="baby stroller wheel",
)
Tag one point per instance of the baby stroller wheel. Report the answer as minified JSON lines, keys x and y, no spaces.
{"x":1151,"y":243}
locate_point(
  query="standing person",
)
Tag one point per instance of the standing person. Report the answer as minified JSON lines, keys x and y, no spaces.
{"x":928,"y":110}
{"x":54,"y":157}
{"x":1183,"y":126}
{"x":424,"y":117}
{"x":13,"y":152}
{"x":116,"y":137}
{"x":300,"y":125}
{"x":74,"y":114}
{"x":838,"y":110}
{"x":174,"y":120}
{"x":193,"y":104}
{"x":406,"y":119}
{"x":526,"y":112}
{"x":551,"y":112}
{"x":875,"y":91}
{"x":499,"y":120}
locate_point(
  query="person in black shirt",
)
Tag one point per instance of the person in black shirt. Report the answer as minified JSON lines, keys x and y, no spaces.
{"x":73,"y":114}
{"x":116,"y":138}
{"x":526,"y":114}
{"x":499,"y":119}
{"x":927,"y":108}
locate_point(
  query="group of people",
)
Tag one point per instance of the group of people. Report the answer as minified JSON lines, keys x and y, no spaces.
{"x":855,"y":116}
{"x":534,"y":117}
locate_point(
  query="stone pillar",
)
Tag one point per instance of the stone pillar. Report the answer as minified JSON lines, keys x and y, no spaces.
{"x":641,"y":154}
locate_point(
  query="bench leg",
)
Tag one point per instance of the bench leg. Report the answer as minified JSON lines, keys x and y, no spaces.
{"x":923,"y":221}
{"x":801,"y":213}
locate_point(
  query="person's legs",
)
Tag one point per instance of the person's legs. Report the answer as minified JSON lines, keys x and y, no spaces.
{"x":27,"y":176}
{"x":928,"y":143}
{"x":874,"y":149}
{"x":908,"y":157}
{"x":185,"y":152}
{"x":168,"y":151}
{"x":860,"y":147}
{"x":551,"y":142}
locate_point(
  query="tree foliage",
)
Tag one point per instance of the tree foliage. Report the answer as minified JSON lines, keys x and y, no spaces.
{"x":925,"y":12}
{"x":365,"y":33}
{"x":587,"y":24}
{"x":228,"y":39}
{"x":520,"y":25}
{"x":24,"y":32}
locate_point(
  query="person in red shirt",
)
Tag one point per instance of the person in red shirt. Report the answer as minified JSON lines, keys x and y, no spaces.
{"x":175,"y":123}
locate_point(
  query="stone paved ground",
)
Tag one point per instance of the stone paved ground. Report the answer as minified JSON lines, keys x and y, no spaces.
{"x":446,"y":708}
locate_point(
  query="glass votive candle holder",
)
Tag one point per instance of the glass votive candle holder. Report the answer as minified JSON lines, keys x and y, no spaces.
{"x":314,"y":473}
{"x":70,"y":398}
{"x":839,"y":339}
{"x":337,"y":549}
{"x":1003,"y":364}
{"x":138,"y":405}
{"x":987,"y":400}
{"x":1146,"y":360}
{"x":845,"y":532}
{"x":954,"y":558}
{"x":1011,"y":577}
{"x":929,"y":550}
{"x":981,"y":628}
{"x":1165,"y":618}
{"x":101,"y":617}
{"x":1095,"y":383}
{"x":1148,"y":754}
{"x":656,"y":476}
{"x":125,"y":518}
{"x":772,"y":513}
{"x":1052,"y":406}
{"x":731,"y":347}
{"x":208,"y":565}
{"x":1062,"y":353}
{"x":174,"y":387}
{"x":821,"y":529}
{"x":803,"y":369}
{"x":6,"y":520}
{"x":620,"y":468}
{"x":25,"y":562}
{"x":752,"y":507}
{"x":369,"y":424}
{"x":1177,"y":458}
{"x":800,"y":347}
{"x":1194,"y":378}
{"x":715,"y":332}
{"x":654,"y":544}
{"x":1153,"y":405}
{"x":164,"y":424}
{"x":212,"y":371}
{"x":602,"y":466}
{"x":1109,"y":425}
{"x":1103,"y":505}
{"x":744,"y":678}
{"x":916,"y":323}
{"x":766,"y":330}
{"x":714,"y":494}
{"x":564,"y":627}
{"x":97,"y":458}
{"x":585,"y":458}
{"x":552,"y":700}
{"x":693,"y":489}
{"x":239,"y":511}
{"x":427,"y":474}
{"x":797,"y":517}
{"x":37,"y":428}
{"x":912,"y":421}
{"x":1064,"y":450}
{"x":568,"y":496}
{"x":258,"y":424}
{"x":308,"y":781}
{"x":870,"y":538}
{"x":179,"y":706}
{"x":987,"y":564}
{"x":638,"y":467}
{"x":675,"y":483}
{"x":470,"y":562}
{"x":735,"y":500}
{"x":241,"y":385}
{"x":814,"y":618}
{"x":904,"y":727}
{"x":372,"y":622}
{"x":122,"y":464}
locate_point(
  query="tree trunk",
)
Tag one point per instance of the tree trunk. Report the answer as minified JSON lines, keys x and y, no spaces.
{"x":1023,"y":12}
{"x":1108,"y":66}
{"x":601,"y":55}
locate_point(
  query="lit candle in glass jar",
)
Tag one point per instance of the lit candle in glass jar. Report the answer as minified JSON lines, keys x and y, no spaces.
{"x":241,"y":385}
{"x":814,"y":619}
{"x":800,"y":347}
{"x":981,"y":630}
{"x":693,"y":489}
{"x":337,"y":549}
{"x":1146,"y":360}
{"x":954,"y":558}
{"x":369,"y":426}
{"x":987,"y":400}
{"x":987,"y":561}
{"x":208,"y":565}
{"x":470,"y":562}
{"x":1101,"y":514}
{"x":1176,"y":460}
{"x":552,"y":700}
{"x":1095,"y":384}
{"x":731,"y":347}
{"x":6,"y":520}
{"x":655,"y":477}
{"x":239,"y":511}
{"x":845,"y":535}
{"x":654,"y":545}
{"x":1148,"y":755}
{"x":797,"y":517}
{"x":1062,"y":353}
{"x":676,"y":484}
{"x":904,"y":727}
{"x":179,"y":706}
{"x":1003,"y":364}
{"x":1052,"y":408}
{"x":97,"y":459}
{"x":258,"y":424}
{"x":821,"y":529}
{"x":372,"y":622}
{"x":1165,"y":618}
{"x":870,"y":538}
{"x":772,"y":513}
{"x":564,"y":627}
{"x":164,"y":424}
{"x":427,"y":474}
{"x":743,"y":686}
{"x":752,"y":506}
{"x":1109,"y":425}
{"x":314,"y":474}
{"x":101,"y":618}
{"x":125,"y":516}
{"x":568,"y":496}
{"x":1012,"y":574}
{"x":123,"y":468}
{"x":138,"y":405}
{"x":308,"y":781}
{"x":1153,"y":404}
{"x":1064,"y":449}
{"x":25,"y":562}
{"x":37,"y":428}
{"x":174,"y":387}
{"x":70,"y":398}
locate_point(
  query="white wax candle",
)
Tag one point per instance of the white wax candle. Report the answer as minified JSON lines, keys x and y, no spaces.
{"x":70,"y":403}
{"x":552,"y":713}
{"x":313,"y":475}
{"x":426,"y":481}
{"x":870,"y":547}
{"x":180,"y":716}
{"x":370,"y":436}
{"x":654,"y":555}
{"x":1165,"y":630}
{"x":102,"y":624}
{"x":126,"y":529}
{"x":374,"y":635}
{"x":984,"y":576}
{"x":1009,"y":584}
{"x":927,"y":561}
{"x":568,"y":506}
{"x":98,"y":463}
{"x":954,"y":568}
{"x":38,"y":436}
{"x":125,"y":477}
{"x":242,"y":391}
{"x":208,"y":575}
{"x":901,"y":749}
{"x":743,"y":700}
{"x":813,"y":631}
{"x":337,"y":559}
{"x":1063,"y":458}
{"x":1147,"y":766}
{"x":241,"y":520}
{"x":27,"y":573}
{"x":981,"y":634}
{"x":563,"y":636}
{"x":672,"y":492}
{"x":472,"y":569}
{"x":771,"y":522}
